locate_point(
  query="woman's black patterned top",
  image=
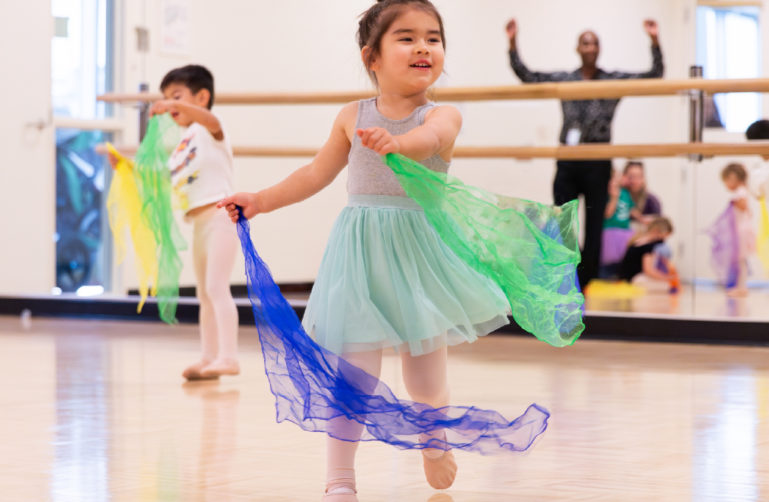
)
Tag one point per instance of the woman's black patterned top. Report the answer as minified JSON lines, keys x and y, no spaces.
{"x":591,"y":117}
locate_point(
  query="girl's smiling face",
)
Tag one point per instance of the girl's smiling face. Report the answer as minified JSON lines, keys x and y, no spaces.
{"x":411,"y":54}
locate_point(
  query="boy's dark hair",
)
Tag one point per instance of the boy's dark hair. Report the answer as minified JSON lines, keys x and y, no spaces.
{"x":194,"y":77}
{"x":758,"y":130}
{"x":375,"y":22}
{"x":735,"y":169}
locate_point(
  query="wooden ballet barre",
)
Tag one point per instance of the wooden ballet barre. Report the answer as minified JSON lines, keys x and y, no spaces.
{"x":608,"y":151}
{"x":579,"y":152}
{"x":603,"y":89}
{"x":237,"y":151}
{"x":520,"y":152}
{"x":729,"y":3}
{"x":247,"y":98}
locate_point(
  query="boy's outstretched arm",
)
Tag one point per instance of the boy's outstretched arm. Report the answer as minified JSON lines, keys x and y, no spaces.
{"x":202,"y":116}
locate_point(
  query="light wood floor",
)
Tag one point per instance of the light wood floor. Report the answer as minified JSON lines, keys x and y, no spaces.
{"x":97,"y":411}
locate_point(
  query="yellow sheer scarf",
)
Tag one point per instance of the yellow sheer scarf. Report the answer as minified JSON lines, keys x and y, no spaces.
{"x":124,"y":206}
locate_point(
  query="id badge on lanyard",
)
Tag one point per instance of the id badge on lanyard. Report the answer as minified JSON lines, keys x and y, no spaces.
{"x":573,"y":136}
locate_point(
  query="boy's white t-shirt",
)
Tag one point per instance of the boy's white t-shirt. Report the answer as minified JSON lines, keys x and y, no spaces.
{"x":201,"y":168}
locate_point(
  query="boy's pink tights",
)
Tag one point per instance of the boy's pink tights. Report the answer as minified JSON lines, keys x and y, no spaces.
{"x":215,"y":246}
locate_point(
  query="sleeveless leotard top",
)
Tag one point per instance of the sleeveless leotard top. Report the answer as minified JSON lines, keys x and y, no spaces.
{"x":368,"y":175}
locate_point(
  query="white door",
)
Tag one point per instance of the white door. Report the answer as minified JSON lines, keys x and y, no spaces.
{"x":27,"y":181}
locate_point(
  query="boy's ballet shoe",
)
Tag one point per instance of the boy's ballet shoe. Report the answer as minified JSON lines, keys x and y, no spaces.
{"x":440,"y":472}
{"x":219,"y":368}
{"x":193,"y":372}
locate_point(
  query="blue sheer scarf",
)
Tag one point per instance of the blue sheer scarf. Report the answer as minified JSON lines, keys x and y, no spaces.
{"x":313,"y":386}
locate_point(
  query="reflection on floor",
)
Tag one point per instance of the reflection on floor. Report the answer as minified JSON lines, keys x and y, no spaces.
{"x":703,"y":302}
{"x":96,"y":411}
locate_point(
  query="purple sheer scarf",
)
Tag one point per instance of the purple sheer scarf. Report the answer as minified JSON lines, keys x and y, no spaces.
{"x":725,"y":249}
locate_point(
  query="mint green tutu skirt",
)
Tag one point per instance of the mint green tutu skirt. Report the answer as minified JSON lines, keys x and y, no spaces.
{"x":388,"y":280}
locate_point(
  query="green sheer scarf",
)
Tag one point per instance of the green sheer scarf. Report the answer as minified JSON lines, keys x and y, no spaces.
{"x":529,"y":249}
{"x":154,"y":181}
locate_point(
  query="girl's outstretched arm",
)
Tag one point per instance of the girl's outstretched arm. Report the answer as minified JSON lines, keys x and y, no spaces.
{"x":436,"y":136}
{"x":305,"y":181}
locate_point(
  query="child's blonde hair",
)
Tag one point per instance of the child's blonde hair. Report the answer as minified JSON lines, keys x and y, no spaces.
{"x":659,"y":223}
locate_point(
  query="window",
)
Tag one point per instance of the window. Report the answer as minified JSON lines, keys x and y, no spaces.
{"x":80,"y":227}
{"x":81,"y":69}
{"x":81,"y":57}
{"x":728,"y":45}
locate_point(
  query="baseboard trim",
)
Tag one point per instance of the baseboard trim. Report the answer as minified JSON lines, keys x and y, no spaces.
{"x":604,"y":327}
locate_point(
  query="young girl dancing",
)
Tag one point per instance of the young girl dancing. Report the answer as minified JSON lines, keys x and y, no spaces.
{"x":734,"y":239}
{"x":387,"y":279}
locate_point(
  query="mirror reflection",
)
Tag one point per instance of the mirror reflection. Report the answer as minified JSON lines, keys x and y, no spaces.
{"x":661,"y":235}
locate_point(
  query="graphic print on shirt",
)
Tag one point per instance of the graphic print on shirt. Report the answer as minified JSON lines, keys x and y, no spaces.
{"x":181,"y":196}
{"x":187,"y":178}
{"x":183,"y":144}
{"x":200,"y":168}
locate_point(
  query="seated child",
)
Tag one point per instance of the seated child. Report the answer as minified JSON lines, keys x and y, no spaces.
{"x":616,"y":227}
{"x":646,"y":206}
{"x":648,"y":254}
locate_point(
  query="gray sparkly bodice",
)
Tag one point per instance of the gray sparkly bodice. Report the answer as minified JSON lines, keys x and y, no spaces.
{"x":367,"y":174}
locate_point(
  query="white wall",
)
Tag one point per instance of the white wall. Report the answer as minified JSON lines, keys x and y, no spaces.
{"x":308,"y":45}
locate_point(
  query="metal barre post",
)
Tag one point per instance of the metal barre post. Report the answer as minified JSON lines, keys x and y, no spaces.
{"x":144,"y":111}
{"x":696,"y":112}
